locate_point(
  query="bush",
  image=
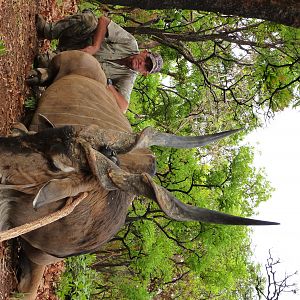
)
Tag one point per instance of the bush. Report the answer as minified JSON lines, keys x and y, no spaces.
{"x":79,"y":280}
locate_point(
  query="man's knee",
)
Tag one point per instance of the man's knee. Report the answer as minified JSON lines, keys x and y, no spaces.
{"x":75,"y":26}
{"x":89,"y":20}
{"x":78,"y":26}
{"x":75,"y":32}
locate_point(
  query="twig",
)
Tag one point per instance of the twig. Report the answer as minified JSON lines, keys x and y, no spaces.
{"x":25,"y":228}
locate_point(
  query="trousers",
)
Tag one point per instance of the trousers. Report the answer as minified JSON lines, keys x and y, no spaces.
{"x":73,"y":32}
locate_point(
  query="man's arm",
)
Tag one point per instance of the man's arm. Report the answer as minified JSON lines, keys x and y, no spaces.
{"x":120,"y":99}
{"x":121,"y":89}
{"x":98,"y":36}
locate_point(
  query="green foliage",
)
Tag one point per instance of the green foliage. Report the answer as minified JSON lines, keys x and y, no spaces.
{"x":16,"y":296}
{"x":79,"y":280}
{"x":92,"y":5}
{"x":2,"y":47}
{"x":132,"y":289}
{"x":53,"y":44}
{"x":30,"y":103}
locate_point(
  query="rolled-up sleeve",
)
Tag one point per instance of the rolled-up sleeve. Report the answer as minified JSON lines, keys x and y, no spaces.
{"x":116,"y":34}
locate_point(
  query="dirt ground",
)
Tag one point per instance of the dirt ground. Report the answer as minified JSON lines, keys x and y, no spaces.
{"x":17,"y":32}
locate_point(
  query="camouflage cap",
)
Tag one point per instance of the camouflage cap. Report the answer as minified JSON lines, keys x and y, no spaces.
{"x":157,"y":62}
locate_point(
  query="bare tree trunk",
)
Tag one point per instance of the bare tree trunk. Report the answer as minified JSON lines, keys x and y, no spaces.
{"x":278,"y":11}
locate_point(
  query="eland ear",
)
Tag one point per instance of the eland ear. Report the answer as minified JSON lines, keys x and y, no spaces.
{"x":99,"y":165}
{"x":53,"y":190}
{"x":58,"y":189}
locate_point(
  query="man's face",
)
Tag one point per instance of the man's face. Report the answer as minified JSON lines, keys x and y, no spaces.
{"x":141,"y":63}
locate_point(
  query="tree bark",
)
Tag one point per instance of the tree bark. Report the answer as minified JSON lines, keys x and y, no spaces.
{"x":196,"y":37}
{"x":278,"y":11}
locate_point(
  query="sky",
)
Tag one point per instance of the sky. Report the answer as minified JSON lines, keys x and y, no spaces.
{"x":277,"y":149}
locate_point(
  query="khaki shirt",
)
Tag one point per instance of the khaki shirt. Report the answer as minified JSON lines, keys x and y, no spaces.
{"x":118,"y":44}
